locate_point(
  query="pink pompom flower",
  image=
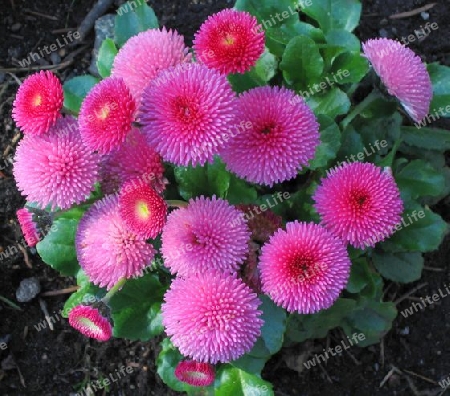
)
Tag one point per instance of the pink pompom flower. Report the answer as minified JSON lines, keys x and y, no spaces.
{"x":195,"y":373}
{"x":208,"y":234}
{"x":403,"y":73}
{"x":106,"y":115}
{"x":360,"y":203}
{"x":212,"y":316}
{"x":28,"y":226}
{"x":38,"y":103}
{"x":186,"y":112}
{"x":107,"y":251}
{"x":56,"y":169}
{"x":90,"y":322}
{"x":276,"y":135}
{"x":304,"y":268}
{"x":230,"y":41}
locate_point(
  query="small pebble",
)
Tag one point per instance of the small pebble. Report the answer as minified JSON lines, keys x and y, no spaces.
{"x":28,"y":289}
{"x":425,"y":16}
{"x":55,"y":58}
{"x":405,"y":331}
{"x":384,"y":32}
{"x":16,"y":27}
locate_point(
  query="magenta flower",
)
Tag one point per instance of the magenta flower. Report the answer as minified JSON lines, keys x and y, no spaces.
{"x":106,"y":115}
{"x":262,"y":224}
{"x":207,"y":234}
{"x":28,"y":226}
{"x":403,"y":74}
{"x":360,"y":203}
{"x":195,"y":373}
{"x":106,"y":250}
{"x":145,"y":55}
{"x":38,"y":103}
{"x":90,"y":322}
{"x":186,"y":112}
{"x":275,"y":135}
{"x":55,"y":169}
{"x":304,"y":268}
{"x":211,"y":317}
{"x":230,"y":41}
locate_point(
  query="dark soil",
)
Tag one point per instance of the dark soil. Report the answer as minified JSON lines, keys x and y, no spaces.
{"x":62,"y":361}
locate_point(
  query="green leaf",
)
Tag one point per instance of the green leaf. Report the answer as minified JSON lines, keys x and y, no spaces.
{"x":440,"y":78}
{"x":76,"y":89}
{"x":352,"y":144}
{"x":330,"y":142}
{"x":399,"y":267}
{"x":136,"y":309}
{"x":333,"y":103}
{"x":240,"y":192}
{"x":427,"y":138}
{"x":266,"y":11}
{"x":349,"y":67}
{"x":266,"y":66}
{"x":250,"y":364}
{"x":106,"y":55}
{"x":344,"y":39}
{"x":233,"y":381}
{"x":360,"y":275}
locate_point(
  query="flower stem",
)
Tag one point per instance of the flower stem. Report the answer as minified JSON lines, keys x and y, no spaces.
{"x":176,"y":203}
{"x":374,"y":95}
{"x":114,"y":290}
{"x":10,"y":303}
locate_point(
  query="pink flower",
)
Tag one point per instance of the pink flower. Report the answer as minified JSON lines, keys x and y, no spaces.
{"x":262,"y":224}
{"x":145,"y":55}
{"x":186,"y":112}
{"x":403,"y":74}
{"x":38,"y":103}
{"x":107,"y":251}
{"x":275,"y":135}
{"x":106,"y":115}
{"x":90,"y":322}
{"x":142,"y":209}
{"x":28,"y":226}
{"x":133,"y":160}
{"x":360,"y":203}
{"x":211,"y":317}
{"x":55,"y":169}
{"x":230,"y":41}
{"x":195,"y":373}
{"x":304,"y":268}
{"x":207,"y":234}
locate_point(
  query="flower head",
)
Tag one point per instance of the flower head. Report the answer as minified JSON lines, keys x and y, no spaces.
{"x":249,"y":271}
{"x":28,"y":226}
{"x":304,"y":268}
{"x":107,"y":251}
{"x":55,"y":169}
{"x":211,"y":317}
{"x":207,"y":234}
{"x":185,"y":113}
{"x":276,"y":135}
{"x":261,"y":224}
{"x":360,"y":203}
{"x":230,"y":41}
{"x":195,"y":373}
{"x":142,"y":209}
{"x":145,"y":55}
{"x":403,"y":74}
{"x":106,"y":115}
{"x":90,"y":322}
{"x":38,"y":103}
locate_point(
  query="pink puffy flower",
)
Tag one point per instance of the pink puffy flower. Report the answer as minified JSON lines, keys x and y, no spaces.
{"x":186,"y":112}
{"x":360,"y":203}
{"x":211,"y":317}
{"x":195,"y":373}
{"x":207,"y":234}
{"x":90,"y":322}
{"x":106,"y":115}
{"x":145,"y":55}
{"x":107,"y":251}
{"x":403,"y":74}
{"x":275,"y":135}
{"x":38,"y":103}
{"x":28,"y":226}
{"x":230,"y":41}
{"x":304,"y":268}
{"x":55,"y":169}
{"x":262,"y":224}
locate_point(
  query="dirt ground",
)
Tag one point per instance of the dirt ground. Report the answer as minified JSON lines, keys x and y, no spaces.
{"x":62,"y":362}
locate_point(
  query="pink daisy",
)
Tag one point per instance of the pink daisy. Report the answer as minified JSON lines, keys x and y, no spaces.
{"x":202,"y":237}
{"x":304,"y":268}
{"x":90,"y":322}
{"x":28,"y":226}
{"x":38,"y":103}
{"x":106,"y":115}
{"x":142,"y":209}
{"x":145,"y":55}
{"x":275,"y":135}
{"x":106,"y":249}
{"x":211,"y":317}
{"x":230,"y":41}
{"x":403,"y":74}
{"x":55,"y":169}
{"x":186,"y":112}
{"x":262,"y":224}
{"x":135,"y":159}
{"x":195,"y":373}
{"x":360,"y":203}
